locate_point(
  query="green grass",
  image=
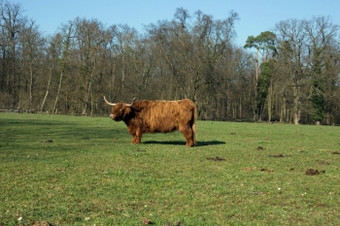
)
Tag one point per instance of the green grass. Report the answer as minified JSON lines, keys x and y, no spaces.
{"x":84,"y":171}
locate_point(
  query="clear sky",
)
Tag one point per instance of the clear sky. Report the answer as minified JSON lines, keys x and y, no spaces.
{"x":255,"y":15}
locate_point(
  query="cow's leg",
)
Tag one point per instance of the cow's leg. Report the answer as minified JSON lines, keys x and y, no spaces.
{"x":189,"y":135}
{"x":134,"y":139}
{"x":137,"y":137}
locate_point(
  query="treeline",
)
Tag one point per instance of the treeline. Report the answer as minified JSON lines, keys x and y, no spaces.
{"x":292,"y":74}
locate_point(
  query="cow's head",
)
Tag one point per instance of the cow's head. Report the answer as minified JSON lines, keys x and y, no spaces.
{"x":119,"y":111}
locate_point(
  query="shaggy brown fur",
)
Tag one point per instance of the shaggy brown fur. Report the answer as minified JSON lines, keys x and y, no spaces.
{"x":146,"y":116}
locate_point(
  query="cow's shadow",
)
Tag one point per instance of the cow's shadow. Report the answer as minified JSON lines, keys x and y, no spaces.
{"x":177,"y":142}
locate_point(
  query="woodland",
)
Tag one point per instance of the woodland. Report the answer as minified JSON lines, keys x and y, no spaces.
{"x":290,"y":74}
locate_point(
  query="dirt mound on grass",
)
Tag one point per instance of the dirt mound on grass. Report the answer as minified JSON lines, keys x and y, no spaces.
{"x":216,"y":159}
{"x":313,"y":172}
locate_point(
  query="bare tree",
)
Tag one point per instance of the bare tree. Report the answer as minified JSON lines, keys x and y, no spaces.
{"x":89,"y":37}
{"x":51,"y":62}
{"x":67,"y":33}
{"x":292,"y":37}
{"x":32,"y":46}
{"x":11,"y":23}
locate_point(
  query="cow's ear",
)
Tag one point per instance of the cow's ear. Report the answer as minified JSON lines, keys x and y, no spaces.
{"x":127,"y":110}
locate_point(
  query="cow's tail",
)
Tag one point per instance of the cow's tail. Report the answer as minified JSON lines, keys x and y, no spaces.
{"x":194,"y":133}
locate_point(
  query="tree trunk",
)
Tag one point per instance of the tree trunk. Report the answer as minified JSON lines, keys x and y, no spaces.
{"x":62,"y":67}
{"x":88,"y":93}
{"x":58,"y":92}
{"x":297,"y":104}
{"x":30,"y":88}
{"x":270,"y":102}
{"x":257,"y":70}
{"x":47,"y":89}
{"x":282,"y":110}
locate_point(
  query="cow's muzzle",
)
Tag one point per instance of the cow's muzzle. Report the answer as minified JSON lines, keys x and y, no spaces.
{"x":112,"y":116}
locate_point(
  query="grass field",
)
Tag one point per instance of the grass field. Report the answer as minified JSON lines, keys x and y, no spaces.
{"x":83,"y":171}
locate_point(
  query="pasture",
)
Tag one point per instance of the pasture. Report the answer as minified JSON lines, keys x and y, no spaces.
{"x":57,"y":170}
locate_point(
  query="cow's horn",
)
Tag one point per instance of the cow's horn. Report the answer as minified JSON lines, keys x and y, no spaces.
{"x":112,"y":104}
{"x":133,"y":100}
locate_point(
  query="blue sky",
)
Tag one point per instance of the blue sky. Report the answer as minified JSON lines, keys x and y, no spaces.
{"x":255,"y":15}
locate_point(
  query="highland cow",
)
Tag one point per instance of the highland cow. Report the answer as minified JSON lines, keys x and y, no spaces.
{"x":152,"y":116}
